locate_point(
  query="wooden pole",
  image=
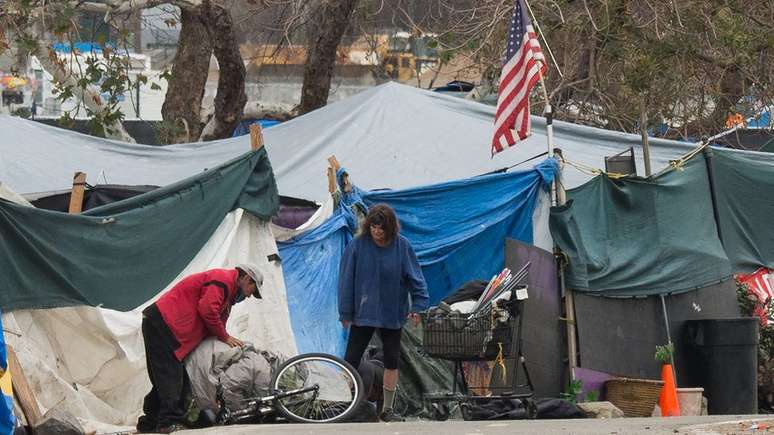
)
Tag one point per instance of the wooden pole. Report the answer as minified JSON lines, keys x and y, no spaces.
{"x":334,"y":163}
{"x":333,"y":167}
{"x":569,"y":297}
{"x":558,"y":197}
{"x":22,"y":390}
{"x":331,"y":180}
{"x":256,"y":137}
{"x":76,"y":195}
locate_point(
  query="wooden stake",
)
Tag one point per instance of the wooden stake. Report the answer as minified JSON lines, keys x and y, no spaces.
{"x":334,"y":164}
{"x":256,"y":137}
{"x":22,"y":390}
{"x":572,"y":339}
{"x":331,"y":180}
{"x":76,"y":195}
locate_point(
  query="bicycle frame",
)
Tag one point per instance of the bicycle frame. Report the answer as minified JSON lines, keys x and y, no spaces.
{"x":260,"y":406}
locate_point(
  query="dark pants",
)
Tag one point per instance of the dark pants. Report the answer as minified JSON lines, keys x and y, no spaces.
{"x":166,"y":403}
{"x":360,"y":336}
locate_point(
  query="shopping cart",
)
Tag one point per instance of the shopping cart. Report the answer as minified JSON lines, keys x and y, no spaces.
{"x":489,"y":339}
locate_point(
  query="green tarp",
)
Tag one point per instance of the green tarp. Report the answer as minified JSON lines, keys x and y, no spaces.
{"x":635,"y":236}
{"x":744,"y":183}
{"x":122,"y":254}
{"x":768,"y":147}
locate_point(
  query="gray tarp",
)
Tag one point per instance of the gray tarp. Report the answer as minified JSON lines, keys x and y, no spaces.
{"x":391,"y":136}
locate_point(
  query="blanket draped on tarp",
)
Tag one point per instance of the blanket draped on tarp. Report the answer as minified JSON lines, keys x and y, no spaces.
{"x":637,"y":237}
{"x":457,"y":228}
{"x":120,"y":255}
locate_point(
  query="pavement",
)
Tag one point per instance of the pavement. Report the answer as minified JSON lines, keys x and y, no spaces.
{"x":703,"y":425}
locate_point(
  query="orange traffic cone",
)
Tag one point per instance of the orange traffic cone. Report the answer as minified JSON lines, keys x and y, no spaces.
{"x":667,"y":401}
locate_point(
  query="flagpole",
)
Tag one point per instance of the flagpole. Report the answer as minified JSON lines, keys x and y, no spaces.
{"x":558,"y":197}
{"x":549,"y":114}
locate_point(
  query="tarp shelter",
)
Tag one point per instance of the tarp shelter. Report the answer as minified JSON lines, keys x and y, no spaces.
{"x":458,"y":230}
{"x":636,"y":237}
{"x":392,"y":136}
{"x":668,"y":236}
{"x":120,"y":257}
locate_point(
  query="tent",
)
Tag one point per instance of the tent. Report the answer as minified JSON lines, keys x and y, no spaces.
{"x":77,"y":305}
{"x":391,"y":136}
{"x":458,"y":230}
{"x":677,"y":237}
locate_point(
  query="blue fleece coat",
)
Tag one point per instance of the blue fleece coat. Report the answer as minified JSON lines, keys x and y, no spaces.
{"x":380,"y":286}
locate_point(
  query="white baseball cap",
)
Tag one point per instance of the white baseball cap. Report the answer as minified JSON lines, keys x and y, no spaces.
{"x":253,"y":271}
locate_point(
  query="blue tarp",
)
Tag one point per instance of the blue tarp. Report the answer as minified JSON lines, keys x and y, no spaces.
{"x":458,"y":230}
{"x":243,"y":127}
{"x":310,"y":265}
{"x":762,"y":120}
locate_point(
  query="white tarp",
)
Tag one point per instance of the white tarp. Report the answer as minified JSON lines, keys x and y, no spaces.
{"x":391,"y":136}
{"x":91,"y":360}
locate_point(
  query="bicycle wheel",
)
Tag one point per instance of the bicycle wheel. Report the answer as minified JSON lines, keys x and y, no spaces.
{"x":337,"y":388}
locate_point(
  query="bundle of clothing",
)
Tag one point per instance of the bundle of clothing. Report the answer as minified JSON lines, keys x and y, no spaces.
{"x":231,"y":374}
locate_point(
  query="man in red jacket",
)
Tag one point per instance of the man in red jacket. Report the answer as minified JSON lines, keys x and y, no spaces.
{"x":195,"y":308}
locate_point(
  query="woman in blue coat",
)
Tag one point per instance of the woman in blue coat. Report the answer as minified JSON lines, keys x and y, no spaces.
{"x":380,"y":287}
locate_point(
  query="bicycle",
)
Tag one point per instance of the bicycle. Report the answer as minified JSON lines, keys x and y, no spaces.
{"x":308,"y":388}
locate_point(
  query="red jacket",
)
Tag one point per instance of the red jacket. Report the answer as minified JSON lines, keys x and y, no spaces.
{"x":195,"y":308}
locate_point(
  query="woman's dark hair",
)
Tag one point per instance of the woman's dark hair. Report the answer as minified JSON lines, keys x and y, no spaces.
{"x":382,"y":215}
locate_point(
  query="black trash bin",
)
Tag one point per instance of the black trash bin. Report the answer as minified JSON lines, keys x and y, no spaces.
{"x":722,"y":358}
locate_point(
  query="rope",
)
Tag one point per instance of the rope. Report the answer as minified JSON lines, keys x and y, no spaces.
{"x":593,"y":171}
{"x":500,"y":360}
{"x":678,"y":164}
{"x":529,"y":159}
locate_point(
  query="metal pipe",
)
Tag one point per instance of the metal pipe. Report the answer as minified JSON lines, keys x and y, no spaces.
{"x":669,"y":337}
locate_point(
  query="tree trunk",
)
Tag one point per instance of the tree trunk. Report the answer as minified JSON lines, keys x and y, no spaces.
{"x":189,"y":76}
{"x":332,"y":20}
{"x":230,"y":99}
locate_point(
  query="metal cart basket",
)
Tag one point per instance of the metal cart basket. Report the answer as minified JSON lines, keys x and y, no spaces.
{"x":490,"y":334}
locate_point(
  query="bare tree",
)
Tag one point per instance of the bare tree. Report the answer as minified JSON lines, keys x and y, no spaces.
{"x":208,"y":29}
{"x":328,"y":25}
{"x":689,"y":63}
{"x":185,"y":90}
{"x":230,"y":99}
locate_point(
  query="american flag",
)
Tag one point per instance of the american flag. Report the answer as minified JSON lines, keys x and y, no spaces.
{"x":521,"y":70}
